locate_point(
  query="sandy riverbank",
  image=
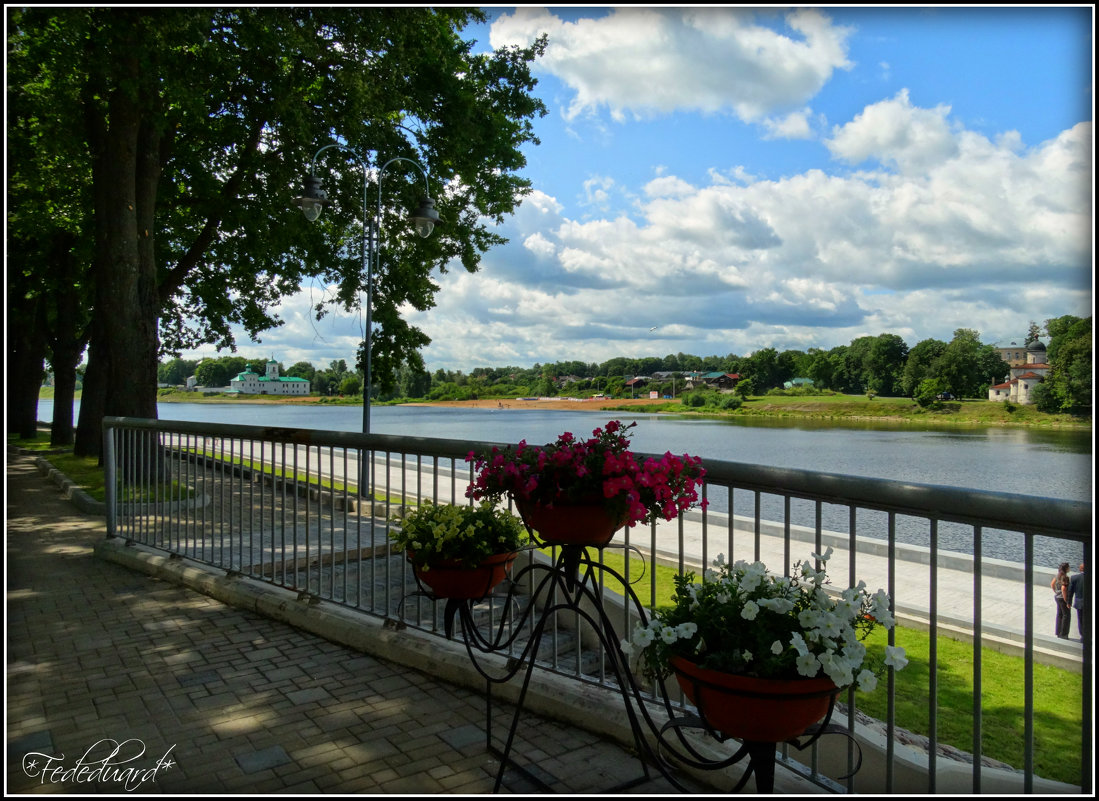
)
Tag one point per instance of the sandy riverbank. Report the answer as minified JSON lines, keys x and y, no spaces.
{"x":556,"y":404}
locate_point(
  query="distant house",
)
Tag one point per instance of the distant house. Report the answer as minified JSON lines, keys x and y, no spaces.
{"x":1013,"y":353}
{"x":721,"y":380}
{"x":797,"y":382}
{"x":1024,"y":377}
{"x":251,"y":383}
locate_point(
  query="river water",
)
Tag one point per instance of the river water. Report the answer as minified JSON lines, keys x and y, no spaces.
{"x":1047,"y":463}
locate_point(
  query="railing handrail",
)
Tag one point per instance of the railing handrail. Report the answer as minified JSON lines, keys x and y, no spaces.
{"x":1032,"y":514}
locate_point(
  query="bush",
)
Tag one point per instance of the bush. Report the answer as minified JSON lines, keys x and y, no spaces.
{"x":732,"y":402}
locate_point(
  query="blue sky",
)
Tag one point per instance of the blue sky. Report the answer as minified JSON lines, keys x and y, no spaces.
{"x":720,"y":180}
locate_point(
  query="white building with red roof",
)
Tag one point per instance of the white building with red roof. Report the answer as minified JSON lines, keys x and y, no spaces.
{"x":1024,"y":377}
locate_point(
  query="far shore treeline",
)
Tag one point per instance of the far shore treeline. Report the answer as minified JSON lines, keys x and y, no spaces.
{"x":881,"y":366}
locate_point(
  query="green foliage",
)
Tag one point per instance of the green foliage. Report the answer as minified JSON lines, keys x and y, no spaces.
{"x":468,"y":534}
{"x":191,"y":128}
{"x":351,"y":385}
{"x":928,"y":392}
{"x":731,"y":402}
{"x":1067,"y":388}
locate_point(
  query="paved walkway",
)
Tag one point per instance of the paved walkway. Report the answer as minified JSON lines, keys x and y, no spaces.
{"x":179,"y":693}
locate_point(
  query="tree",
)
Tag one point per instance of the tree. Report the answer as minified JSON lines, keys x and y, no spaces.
{"x":302,"y":370}
{"x":48,"y":252}
{"x":351,"y":385}
{"x":764,"y":369}
{"x":1067,"y":388}
{"x":967,"y":366}
{"x":822,"y":369}
{"x":884,"y":364}
{"x":212,"y":373}
{"x":199,"y":124}
{"x":921,"y":364}
{"x":175,"y":371}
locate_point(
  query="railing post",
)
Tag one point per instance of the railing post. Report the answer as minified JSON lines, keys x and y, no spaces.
{"x":110,"y":477}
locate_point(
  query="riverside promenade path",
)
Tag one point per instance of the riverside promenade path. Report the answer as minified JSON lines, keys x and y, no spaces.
{"x":198,"y":697}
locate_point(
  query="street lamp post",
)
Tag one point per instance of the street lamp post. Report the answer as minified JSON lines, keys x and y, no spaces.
{"x":312,"y":202}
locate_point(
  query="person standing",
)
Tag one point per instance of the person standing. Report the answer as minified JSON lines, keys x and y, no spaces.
{"x":1060,"y":585}
{"x":1078,"y":597}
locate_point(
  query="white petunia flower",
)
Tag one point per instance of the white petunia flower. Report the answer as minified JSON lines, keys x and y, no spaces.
{"x":777,"y":605}
{"x":750,"y":610}
{"x":686,"y":630}
{"x":807,"y":665}
{"x":836,"y":668}
{"x":776,"y":648}
{"x":668,"y":635}
{"x":894,"y":657}
{"x":643,"y":636}
{"x":867,"y":681}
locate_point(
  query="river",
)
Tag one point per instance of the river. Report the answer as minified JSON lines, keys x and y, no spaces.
{"x":1048,"y":463}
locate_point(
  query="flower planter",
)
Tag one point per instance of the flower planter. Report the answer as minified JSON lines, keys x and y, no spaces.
{"x":447,"y":578}
{"x":570,"y":525}
{"x":751,"y":709}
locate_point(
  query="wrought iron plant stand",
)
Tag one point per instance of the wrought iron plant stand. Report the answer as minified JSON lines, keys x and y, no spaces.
{"x":570,"y":583}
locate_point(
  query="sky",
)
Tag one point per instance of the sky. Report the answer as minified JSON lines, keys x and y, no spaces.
{"x":716,"y":181}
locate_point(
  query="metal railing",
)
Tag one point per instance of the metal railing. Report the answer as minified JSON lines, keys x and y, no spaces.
{"x":281,"y":506}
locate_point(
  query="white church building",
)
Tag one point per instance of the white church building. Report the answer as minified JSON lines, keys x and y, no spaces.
{"x":251,"y":383}
{"x":1025,"y":376}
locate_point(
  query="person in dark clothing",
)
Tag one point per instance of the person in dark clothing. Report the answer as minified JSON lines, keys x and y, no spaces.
{"x":1060,"y":586}
{"x":1078,"y":597}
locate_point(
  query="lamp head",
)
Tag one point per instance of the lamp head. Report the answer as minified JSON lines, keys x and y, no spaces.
{"x":313,"y":200}
{"x":425,"y":218}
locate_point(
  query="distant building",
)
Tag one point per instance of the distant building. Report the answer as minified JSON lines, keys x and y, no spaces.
{"x":250,"y":383}
{"x":721,"y":380}
{"x":797,"y":382}
{"x":1014,"y":353}
{"x":1026,"y":374}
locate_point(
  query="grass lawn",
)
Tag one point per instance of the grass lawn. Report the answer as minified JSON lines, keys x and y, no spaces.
{"x":858,"y":407}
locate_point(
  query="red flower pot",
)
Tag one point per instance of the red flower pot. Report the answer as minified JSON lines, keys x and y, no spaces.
{"x":447,"y":578}
{"x":758,"y":710}
{"x":570,"y":525}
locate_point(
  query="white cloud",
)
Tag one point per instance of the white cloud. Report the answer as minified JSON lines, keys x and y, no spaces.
{"x":795,"y":125}
{"x":983,"y":237}
{"x":645,"y":61}
{"x":897,"y":133}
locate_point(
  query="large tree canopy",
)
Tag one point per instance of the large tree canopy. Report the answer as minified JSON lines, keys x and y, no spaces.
{"x":196,"y":127}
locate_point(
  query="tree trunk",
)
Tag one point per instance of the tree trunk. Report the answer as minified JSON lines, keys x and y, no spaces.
{"x":64,"y":392}
{"x":93,"y":399}
{"x":66,"y":342}
{"x":26,"y":356}
{"x":125,"y":147}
